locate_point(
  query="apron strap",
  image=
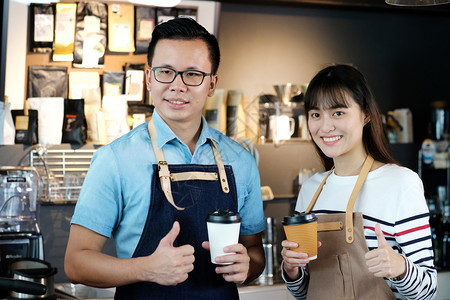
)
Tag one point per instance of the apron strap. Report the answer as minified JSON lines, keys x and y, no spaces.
{"x":330,"y":226}
{"x":163,"y":167}
{"x":166,"y":177}
{"x":185,"y":176}
{"x":319,"y":189}
{"x":221,"y":167}
{"x":351,"y":202}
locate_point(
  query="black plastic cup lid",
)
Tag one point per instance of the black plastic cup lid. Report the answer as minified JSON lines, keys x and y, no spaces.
{"x":223,"y":216}
{"x":299,"y":218}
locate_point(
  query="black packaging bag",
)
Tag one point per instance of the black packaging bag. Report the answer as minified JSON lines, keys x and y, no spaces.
{"x":47,"y":81}
{"x":144,"y":24}
{"x":74,"y":125}
{"x":164,"y":14}
{"x":113,"y":83}
{"x":90,"y":35}
{"x":42,"y":27}
{"x":187,"y":12}
{"x":26,"y":126}
{"x":133,"y":66}
{"x":139,"y":113}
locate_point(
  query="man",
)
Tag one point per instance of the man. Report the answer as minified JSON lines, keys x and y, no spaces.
{"x":159,"y":223}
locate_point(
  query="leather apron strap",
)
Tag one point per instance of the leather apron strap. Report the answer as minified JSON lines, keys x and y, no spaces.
{"x":351,"y":202}
{"x":221,"y":167}
{"x":166,"y":177}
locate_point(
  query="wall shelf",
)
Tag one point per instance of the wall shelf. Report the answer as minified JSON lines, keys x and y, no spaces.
{"x":350,"y":4}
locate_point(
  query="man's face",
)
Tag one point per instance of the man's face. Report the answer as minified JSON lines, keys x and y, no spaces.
{"x":176,"y":102}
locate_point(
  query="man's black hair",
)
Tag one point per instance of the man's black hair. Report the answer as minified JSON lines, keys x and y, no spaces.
{"x":185,"y":29}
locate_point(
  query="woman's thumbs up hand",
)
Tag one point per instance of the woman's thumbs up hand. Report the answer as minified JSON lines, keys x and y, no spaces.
{"x":384,"y":261}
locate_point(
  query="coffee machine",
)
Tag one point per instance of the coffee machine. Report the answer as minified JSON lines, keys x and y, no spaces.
{"x":20,"y":235}
{"x":282,"y":117}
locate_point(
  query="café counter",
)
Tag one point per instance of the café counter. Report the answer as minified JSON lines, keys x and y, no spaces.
{"x":254,"y":291}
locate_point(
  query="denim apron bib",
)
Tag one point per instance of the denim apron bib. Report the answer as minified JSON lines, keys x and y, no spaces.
{"x":340,"y":270}
{"x":185,"y":193}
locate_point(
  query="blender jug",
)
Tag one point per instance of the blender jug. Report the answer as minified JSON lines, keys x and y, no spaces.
{"x":20,"y":236}
{"x":19,"y":188}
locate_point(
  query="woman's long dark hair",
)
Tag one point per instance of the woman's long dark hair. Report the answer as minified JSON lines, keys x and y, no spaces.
{"x":331,"y":87}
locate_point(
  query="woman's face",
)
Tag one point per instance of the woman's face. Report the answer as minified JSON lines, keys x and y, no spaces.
{"x":338,"y":131}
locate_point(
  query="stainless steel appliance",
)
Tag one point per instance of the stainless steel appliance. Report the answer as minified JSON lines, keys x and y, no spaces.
{"x":270,"y":244}
{"x":20,"y":235}
{"x":286,"y":91}
{"x":36,"y":271}
{"x":272,"y":108}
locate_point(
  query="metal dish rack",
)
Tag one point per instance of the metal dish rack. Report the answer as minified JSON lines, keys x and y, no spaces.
{"x":62,"y":172}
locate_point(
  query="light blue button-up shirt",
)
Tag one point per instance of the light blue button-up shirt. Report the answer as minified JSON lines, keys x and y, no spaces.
{"x":116,"y":193}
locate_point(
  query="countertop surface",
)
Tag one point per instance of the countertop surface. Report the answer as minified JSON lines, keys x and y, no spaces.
{"x":263,"y":283}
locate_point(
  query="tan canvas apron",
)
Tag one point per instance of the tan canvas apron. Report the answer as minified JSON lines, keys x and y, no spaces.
{"x":340,"y":270}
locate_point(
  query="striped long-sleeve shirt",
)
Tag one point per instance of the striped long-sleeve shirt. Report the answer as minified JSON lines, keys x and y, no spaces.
{"x":392,"y":196}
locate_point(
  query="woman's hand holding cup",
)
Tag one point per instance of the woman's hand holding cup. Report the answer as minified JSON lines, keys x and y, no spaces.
{"x":293,"y":260}
{"x":301,"y":244}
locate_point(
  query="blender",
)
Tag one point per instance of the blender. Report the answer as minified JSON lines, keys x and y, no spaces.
{"x":20,"y":235}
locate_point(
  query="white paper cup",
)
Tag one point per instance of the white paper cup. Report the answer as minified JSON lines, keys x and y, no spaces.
{"x":223,"y":230}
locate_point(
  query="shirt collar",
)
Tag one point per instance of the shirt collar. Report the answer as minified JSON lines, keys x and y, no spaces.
{"x":164,"y":134}
{"x":207,"y":133}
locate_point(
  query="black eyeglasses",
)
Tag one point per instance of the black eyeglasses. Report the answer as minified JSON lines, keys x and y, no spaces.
{"x":189,"y":77}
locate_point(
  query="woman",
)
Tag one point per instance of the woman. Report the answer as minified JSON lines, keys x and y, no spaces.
{"x":377,"y":244}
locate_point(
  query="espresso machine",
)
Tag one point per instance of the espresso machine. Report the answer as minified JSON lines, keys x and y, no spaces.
{"x":20,"y":235}
{"x":282,"y":117}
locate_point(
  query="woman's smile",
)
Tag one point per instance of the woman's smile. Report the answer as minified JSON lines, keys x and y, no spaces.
{"x":331,"y":139}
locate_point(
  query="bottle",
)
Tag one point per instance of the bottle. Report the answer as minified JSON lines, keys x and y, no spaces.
{"x":446,"y":236}
{"x":435,"y":227}
{"x":440,"y":119}
{"x":390,"y":128}
{"x":428,"y":152}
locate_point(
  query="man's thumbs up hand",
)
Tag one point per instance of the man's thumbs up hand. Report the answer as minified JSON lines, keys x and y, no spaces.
{"x":171,"y":236}
{"x":384,"y":261}
{"x":168,"y":265}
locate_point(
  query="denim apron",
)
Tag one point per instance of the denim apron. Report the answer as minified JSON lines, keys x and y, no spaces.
{"x":340,"y":270}
{"x":185,"y":193}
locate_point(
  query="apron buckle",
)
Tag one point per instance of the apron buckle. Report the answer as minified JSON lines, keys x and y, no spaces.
{"x":161,"y":163}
